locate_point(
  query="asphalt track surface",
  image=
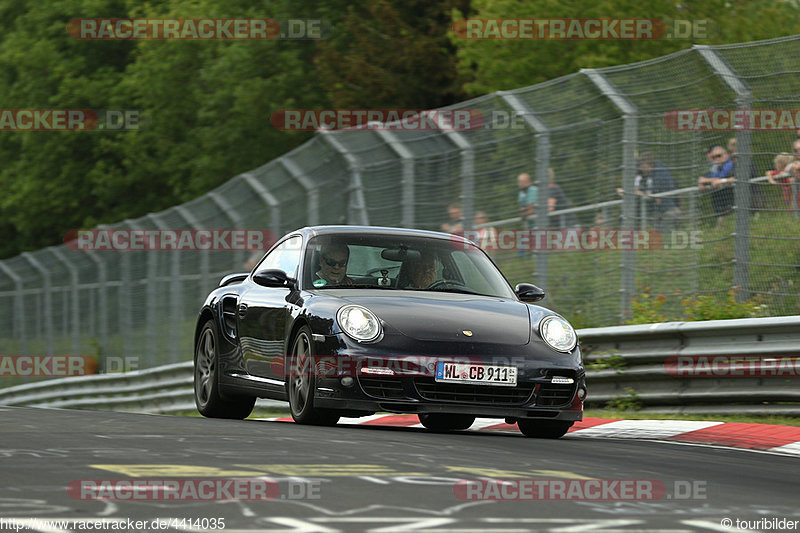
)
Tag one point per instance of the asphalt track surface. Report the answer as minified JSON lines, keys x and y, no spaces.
{"x":370,"y":478}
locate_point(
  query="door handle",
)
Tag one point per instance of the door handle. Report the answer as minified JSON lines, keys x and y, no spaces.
{"x":242,"y":310}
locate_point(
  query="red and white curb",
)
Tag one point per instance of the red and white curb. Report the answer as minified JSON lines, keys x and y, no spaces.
{"x":764,"y":437}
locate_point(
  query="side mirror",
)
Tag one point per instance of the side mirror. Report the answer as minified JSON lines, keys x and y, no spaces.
{"x":273,"y":277}
{"x":528,"y":292}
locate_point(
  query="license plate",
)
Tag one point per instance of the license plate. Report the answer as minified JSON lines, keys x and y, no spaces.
{"x":476,"y":374}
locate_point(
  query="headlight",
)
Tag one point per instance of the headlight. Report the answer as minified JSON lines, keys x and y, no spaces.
{"x":558,"y":333}
{"x":359,"y":323}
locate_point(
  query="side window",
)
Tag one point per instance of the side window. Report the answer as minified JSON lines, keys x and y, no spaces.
{"x":285,"y":257}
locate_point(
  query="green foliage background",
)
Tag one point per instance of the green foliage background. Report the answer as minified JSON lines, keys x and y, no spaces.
{"x":207,"y":104}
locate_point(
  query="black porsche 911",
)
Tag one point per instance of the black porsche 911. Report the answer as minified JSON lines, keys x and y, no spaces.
{"x":352,"y":320}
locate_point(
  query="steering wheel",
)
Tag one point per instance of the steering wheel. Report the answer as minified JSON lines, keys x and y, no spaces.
{"x":444,"y":283}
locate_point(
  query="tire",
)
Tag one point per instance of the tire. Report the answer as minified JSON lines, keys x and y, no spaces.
{"x":445,"y":422}
{"x":543,"y":429}
{"x":301,"y":383}
{"x":207,"y":397}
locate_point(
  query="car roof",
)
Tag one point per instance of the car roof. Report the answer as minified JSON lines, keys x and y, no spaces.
{"x":313,"y":231}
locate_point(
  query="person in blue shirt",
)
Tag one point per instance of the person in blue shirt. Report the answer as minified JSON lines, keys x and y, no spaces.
{"x":719,"y":178}
{"x":656,"y":178}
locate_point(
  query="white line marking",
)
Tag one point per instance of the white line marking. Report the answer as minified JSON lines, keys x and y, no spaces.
{"x":791,"y":449}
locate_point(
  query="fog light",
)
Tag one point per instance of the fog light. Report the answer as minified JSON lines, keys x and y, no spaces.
{"x":581,"y":394}
{"x":347,"y":381}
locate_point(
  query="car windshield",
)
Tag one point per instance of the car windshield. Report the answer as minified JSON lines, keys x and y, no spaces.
{"x":392,"y":262}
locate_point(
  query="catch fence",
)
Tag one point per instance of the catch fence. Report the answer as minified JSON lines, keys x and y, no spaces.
{"x":592,"y":128}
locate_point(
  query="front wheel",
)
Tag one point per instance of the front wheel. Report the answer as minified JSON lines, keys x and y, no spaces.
{"x":543,"y":429}
{"x":445,"y":422}
{"x":300,"y":384}
{"x":207,"y":397}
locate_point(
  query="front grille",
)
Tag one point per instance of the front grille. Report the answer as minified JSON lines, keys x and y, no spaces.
{"x":555,"y":394}
{"x":482,"y":394}
{"x":380,"y":387}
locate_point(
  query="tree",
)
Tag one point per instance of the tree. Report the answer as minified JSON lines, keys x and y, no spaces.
{"x":491,"y":65}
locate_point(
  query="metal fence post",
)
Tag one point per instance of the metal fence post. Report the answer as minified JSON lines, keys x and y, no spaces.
{"x":311,"y":190}
{"x":271,"y":202}
{"x":124,"y":309}
{"x":75,"y":311}
{"x":102,"y":300}
{"x":467,"y":170}
{"x":741,"y":242}
{"x":407,"y":181}
{"x":204,"y":258}
{"x":48,"y":299}
{"x":629,"y":138}
{"x":542,"y":139}
{"x":226,"y":208}
{"x":357,"y":209}
{"x":154,"y":295}
{"x":19,"y":307}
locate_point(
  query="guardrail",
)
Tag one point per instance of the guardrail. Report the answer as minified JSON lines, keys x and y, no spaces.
{"x":629,"y":366}
{"x":679,"y":367}
{"x":164,"y":389}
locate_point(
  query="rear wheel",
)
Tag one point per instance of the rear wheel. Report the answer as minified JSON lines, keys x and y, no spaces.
{"x":543,"y":429}
{"x":207,"y":395}
{"x":445,"y":422}
{"x":301,"y":383}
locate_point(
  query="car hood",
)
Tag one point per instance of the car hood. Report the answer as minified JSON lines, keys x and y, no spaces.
{"x":441,"y":316}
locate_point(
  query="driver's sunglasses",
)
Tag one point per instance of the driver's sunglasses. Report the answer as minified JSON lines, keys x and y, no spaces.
{"x":331,"y":262}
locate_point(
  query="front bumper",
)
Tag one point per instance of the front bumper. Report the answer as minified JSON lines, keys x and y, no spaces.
{"x":534,"y":396}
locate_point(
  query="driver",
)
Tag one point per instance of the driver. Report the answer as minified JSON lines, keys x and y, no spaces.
{"x":333,"y":260}
{"x":422,"y":272}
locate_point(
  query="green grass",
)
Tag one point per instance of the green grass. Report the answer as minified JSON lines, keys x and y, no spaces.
{"x":584,"y":286}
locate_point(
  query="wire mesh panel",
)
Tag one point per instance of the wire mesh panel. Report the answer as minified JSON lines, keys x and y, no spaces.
{"x":603,"y":149}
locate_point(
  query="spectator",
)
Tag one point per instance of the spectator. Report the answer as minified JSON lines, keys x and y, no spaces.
{"x":333,"y":260}
{"x":556,"y":201}
{"x":658,"y":179}
{"x":527,"y":200}
{"x":456,"y":223}
{"x":600,"y":222}
{"x":786,"y":172}
{"x":487,"y":236}
{"x":719,"y":177}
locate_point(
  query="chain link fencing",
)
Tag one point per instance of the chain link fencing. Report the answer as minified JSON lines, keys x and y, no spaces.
{"x":593,"y":132}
